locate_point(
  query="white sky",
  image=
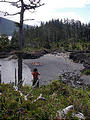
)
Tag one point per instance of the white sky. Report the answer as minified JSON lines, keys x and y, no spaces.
{"x":53,"y":9}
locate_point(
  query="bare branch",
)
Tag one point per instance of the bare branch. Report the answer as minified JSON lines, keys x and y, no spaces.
{"x":12,"y":3}
{"x":15,"y":13}
{"x":16,"y":5}
{"x":34,"y":1}
{"x":9,"y":1}
{"x":28,"y":19}
{"x":32,"y":5}
{"x":39,"y":98}
{"x":6,"y":13}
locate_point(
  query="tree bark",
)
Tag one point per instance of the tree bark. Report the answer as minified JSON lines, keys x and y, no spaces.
{"x":15,"y":78}
{"x":20,"y":45}
{"x":0,"y":77}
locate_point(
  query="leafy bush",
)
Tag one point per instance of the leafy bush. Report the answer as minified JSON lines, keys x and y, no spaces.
{"x":57,"y":94}
{"x":87,"y":72}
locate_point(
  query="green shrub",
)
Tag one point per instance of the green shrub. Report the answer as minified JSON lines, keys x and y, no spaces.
{"x":87,"y":72}
{"x":57,"y":94}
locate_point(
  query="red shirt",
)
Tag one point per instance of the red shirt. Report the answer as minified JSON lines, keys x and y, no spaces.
{"x":35,"y":75}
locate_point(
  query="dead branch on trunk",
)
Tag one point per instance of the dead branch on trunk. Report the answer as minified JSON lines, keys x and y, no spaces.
{"x":22,"y":6}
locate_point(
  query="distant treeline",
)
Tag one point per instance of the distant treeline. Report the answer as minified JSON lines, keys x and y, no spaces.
{"x":62,"y":34}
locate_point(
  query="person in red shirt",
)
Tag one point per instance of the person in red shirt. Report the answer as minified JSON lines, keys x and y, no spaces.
{"x":35,"y":74}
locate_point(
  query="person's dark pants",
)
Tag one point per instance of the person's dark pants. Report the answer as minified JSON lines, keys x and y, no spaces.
{"x":34,"y":81}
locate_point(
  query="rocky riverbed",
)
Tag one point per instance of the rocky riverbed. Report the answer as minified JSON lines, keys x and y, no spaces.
{"x":51,"y":66}
{"x":81,"y":57}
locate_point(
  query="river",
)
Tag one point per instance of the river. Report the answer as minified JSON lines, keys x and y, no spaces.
{"x":7,"y":69}
{"x":50,"y":68}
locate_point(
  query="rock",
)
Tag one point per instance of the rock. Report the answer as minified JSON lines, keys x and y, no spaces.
{"x":78,"y":57}
{"x":72,"y":79}
{"x":82,"y":57}
{"x":78,"y":82}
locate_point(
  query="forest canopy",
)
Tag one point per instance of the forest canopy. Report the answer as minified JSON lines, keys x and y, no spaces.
{"x":62,"y":34}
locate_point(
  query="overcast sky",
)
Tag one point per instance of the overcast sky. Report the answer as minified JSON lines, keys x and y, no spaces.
{"x":71,"y":9}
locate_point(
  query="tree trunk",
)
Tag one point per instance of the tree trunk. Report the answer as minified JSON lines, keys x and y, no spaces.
{"x":19,"y":70}
{"x":15,"y":78}
{"x":0,"y":77}
{"x":20,"y":45}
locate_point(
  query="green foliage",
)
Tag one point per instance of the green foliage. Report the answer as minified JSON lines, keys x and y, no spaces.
{"x":87,"y":72}
{"x":4,"y":43}
{"x":57,"y":94}
{"x":56,"y":34}
{"x":15,"y":41}
{"x":64,"y":35}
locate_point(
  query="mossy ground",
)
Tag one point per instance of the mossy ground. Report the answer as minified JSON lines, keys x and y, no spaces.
{"x":58,"y":96}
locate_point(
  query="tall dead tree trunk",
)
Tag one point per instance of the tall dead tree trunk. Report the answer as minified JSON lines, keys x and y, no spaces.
{"x":31,"y":5}
{"x":20,"y":46}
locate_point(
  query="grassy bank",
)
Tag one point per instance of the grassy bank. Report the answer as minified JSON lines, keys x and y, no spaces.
{"x":57,"y":95}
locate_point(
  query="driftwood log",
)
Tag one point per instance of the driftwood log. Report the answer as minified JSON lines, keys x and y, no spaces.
{"x":39,"y":98}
